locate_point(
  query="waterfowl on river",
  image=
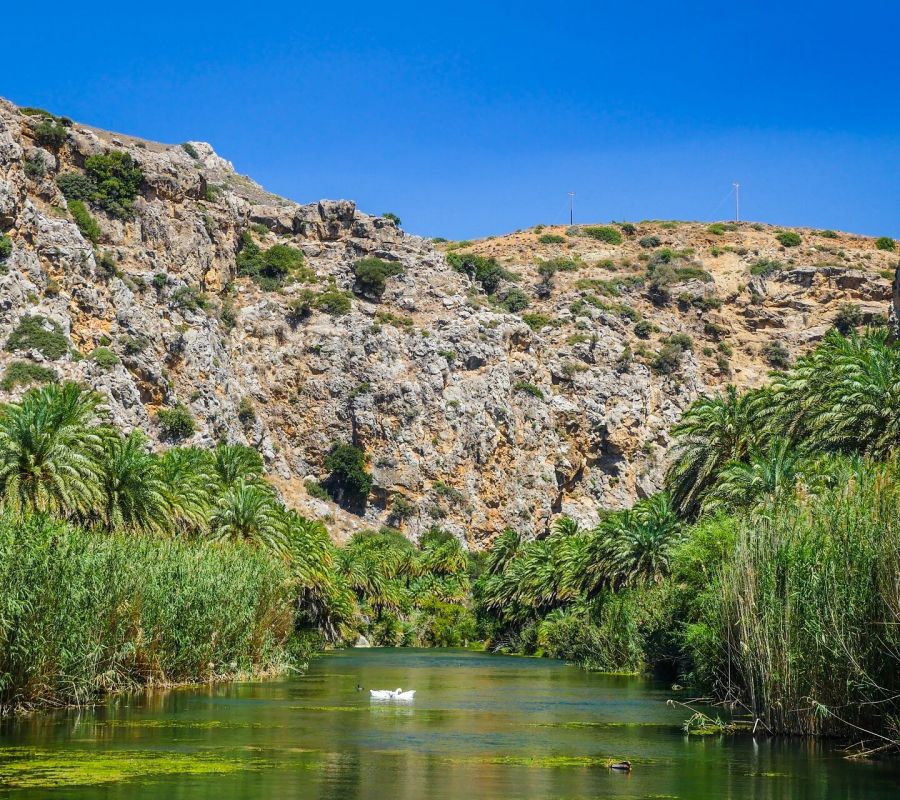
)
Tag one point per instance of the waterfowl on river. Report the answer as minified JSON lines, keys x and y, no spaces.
{"x":397,"y":694}
{"x":621,"y":766}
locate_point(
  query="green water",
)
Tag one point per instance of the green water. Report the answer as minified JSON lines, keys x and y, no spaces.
{"x":481,"y":726}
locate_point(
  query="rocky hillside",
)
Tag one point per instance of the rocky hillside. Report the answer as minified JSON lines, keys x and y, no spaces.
{"x":484,"y":394}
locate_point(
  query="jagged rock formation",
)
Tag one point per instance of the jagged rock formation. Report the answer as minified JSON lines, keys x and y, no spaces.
{"x":477,"y":417}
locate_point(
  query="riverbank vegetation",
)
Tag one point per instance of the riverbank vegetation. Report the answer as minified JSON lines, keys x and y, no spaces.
{"x":766,"y":574}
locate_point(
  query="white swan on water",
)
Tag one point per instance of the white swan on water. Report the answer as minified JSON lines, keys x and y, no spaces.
{"x":387,"y":694}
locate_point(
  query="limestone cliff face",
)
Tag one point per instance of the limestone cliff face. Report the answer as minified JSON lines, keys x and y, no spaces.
{"x":478,"y":417}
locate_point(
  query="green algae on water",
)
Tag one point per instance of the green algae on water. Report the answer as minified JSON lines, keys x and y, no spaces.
{"x":30,"y":768}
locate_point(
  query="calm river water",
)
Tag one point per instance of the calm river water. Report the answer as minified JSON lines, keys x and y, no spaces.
{"x":481,"y":726}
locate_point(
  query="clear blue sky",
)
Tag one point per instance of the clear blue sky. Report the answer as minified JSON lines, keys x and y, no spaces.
{"x":474,"y":118}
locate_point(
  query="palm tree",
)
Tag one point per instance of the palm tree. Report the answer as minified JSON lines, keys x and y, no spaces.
{"x":764,"y":478}
{"x":503,"y":549}
{"x":50,"y":449}
{"x":637,"y":545}
{"x":712,"y":432}
{"x":133,"y":495}
{"x":190,"y":484}
{"x":234,"y":462}
{"x":248,"y":512}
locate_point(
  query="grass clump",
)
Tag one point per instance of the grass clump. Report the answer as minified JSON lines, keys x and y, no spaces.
{"x":765,"y":267}
{"x":537,"y":321}
{"x":551,"y":238}
{"x":603,"y":233}
{"x":789,"y":238}
{"x":36,"y":332}
{"x":85,"y":222}
{"x":104,"y":358}
{"x":528,"y":388}
{"x":25,"y":373}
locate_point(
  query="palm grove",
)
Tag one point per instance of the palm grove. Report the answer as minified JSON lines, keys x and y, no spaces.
{"x":766,"y":573}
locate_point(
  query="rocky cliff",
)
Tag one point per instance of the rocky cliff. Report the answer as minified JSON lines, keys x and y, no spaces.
{"x":552,"y":394}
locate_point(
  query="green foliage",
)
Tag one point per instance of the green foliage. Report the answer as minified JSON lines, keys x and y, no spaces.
{"x":603,"y":233}
{"x":486,"y":271}
{"x":246,"y":411}
{"x":371,"y":275}
{"x":514,"y":300}
{"x":76,"y":186}
{"x":35,"y":168}
{"x":649,"y":242}
{"x":6,"y":247}
{"x":50,"y":134}
{"x":118,"y":179}
{"x":272,"y":268}
{"x":81,"y":613}
{"x":35,"y":332}
{"x":189,"y":298}
{"x":777,"y":354}
{"x":190,"y":150}
{"x":885,"y":243}
{"x":25,"y":373}
{"x":334,"y":302}
{"x":643,"y":329}
{"x":176,"y":423}
{"x":551,"y":238}
{"x":789,"y":238}
{"x":828,"y":234}
{"x":348,"y":482}
{"x":392,"y":217}
{"x":848,"y":318}
{"x":104,"y":358}
{"x":85,"y":222}
{"x":528,"y":388}
{"x":537,"y":321}
{"x":764,"y":267}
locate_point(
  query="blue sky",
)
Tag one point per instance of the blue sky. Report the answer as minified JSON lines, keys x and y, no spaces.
{"x":468,"y":119}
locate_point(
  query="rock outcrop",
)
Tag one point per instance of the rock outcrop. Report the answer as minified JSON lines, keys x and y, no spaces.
{"x":476,"y":418}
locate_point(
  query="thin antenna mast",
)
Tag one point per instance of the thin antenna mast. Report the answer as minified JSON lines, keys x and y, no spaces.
{"x":737,"y":201}
{"x":571,"y":208}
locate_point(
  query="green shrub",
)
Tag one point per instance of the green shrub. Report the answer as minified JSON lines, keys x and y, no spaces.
{"x":372,"y":274}
{"x":514,"y":300}
{"x":717,"y":228}
{"x":765,"y":267}
{"x":828,"y":234}
{"x":41,"y":334}
{"x":603,"y":233}
{"x":649,"y":242}
{"x":537,"y":321}
{"x":392,"y":217}
{"x":6,"y":247}
{"x":300,"y":307}
{"x":76,"y":186}
{"x":643,"y":329}
{"x":25,"y":373}
{"x":628,"y":228}
{"x":789,"y":238}
{"x":486,"y":271}
{"x":176,"y":423}
{"x":528,"y":388}
{"x":118,"y":178}
{"x":270,"y":269}
{"x":777,"y":354}
{"x":35,"y":167}
{"x":85,"y":222}
{"x":160,"y":280}
{"x":333,"y":301}
{"x":849,"y":318}
{"x":316,"y":490}
{"x":552,"y":238}
{"x":133,"y":345}
{"x":550,"y":267}
{"x":104,"y":357}
{"x":246,"y":412}
{"x":188,"y":298}
{"x":885,"y":243}
{"x":50,"y":134}
{"x":348,"y":482}
{"x":190,"y":150}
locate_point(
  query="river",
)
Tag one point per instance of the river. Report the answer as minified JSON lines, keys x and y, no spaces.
{"x":481,"y":726}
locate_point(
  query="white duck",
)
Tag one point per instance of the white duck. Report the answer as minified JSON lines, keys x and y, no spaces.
{"x":387,"y":694}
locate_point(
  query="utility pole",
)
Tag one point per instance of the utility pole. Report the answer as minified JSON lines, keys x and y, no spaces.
{"x":571,"y":208}
{"x":737,"y":202}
